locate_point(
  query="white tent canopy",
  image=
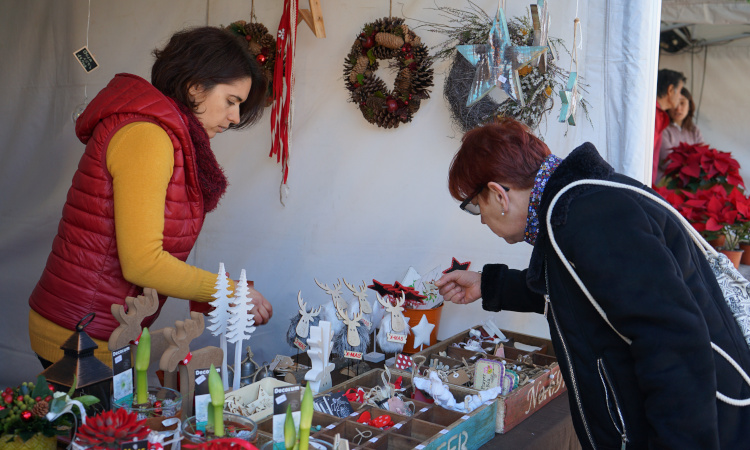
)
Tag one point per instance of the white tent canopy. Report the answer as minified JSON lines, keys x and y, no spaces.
{"x":716,"y":12}
{"x":364,"y":202}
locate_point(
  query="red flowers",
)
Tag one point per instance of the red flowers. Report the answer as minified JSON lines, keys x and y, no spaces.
{"x":692,"y":167}
{"x":110,"y":429}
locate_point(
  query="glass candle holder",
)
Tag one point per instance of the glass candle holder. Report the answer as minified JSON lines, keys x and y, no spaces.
{"x":235,"y":426}
{"x":162,"y":402}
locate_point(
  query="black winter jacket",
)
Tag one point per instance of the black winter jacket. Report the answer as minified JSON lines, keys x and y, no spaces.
{"x":657,"y":289}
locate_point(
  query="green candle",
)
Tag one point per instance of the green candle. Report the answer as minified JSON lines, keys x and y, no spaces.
{"x":216,"y":389}
{"x":142,"y":358}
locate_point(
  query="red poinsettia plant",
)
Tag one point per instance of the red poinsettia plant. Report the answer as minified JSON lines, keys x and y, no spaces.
{"x":713,"y":210}
{"x":694,"y":167}
{"x":111,"y":429}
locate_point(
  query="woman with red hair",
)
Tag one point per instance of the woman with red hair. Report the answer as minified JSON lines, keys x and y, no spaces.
{"x":636,"y":348}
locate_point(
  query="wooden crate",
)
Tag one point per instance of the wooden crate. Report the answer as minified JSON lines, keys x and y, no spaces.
{"x":523,"y":401}
{"x":431,"y":427}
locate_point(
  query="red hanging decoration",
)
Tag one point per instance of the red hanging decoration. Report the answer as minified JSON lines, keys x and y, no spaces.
{"x":283,"y":86}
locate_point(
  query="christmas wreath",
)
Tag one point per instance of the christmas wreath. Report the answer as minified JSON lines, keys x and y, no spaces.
{"x":388,"y":39}
{"x":262,"y":45}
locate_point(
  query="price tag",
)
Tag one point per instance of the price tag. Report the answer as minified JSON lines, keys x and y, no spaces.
{"x":465,"y":417}
{"x":86,"y":59}
{"x":444,"y":431}
{"x":398,"y":425}
{"x":122,"y":375}
{"x":423,"y":410}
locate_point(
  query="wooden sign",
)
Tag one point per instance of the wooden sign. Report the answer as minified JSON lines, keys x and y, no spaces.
{"x":353,"y":355}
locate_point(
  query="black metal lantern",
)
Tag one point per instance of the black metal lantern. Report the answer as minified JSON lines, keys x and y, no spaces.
{"x":79,"y":365}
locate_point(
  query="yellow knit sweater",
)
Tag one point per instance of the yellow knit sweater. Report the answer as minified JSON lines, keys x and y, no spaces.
{"x":140,"y":158}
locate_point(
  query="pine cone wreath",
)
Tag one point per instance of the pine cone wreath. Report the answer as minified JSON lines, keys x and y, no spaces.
{"x":382,"y":52}
{"x":40,"y":409}
{"x":256,"y":29}
{"x":254,"y":47}
{"x":389,"y":40}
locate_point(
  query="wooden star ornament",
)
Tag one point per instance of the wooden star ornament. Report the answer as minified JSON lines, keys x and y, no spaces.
{"x":569,"y":98}
{"x":498,"y":62}
{"x":540,"y":22}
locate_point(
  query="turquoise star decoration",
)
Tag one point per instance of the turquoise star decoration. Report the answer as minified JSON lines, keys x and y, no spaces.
{"x":498,"y":62}
{"x":569,"y":98}
{"x":540,"y":21}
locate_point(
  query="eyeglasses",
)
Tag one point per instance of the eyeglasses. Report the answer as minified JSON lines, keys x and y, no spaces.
{"x":473,"y":208}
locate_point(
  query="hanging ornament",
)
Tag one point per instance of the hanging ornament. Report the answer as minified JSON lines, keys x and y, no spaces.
{"x":540,"y":22}
{"x":422,"y":332}
{"x":498,"y":62}
{"x":388,"y":39}
{"x":570,"y":96}
{"x":283,"y":88}
{"x":78,"y":110}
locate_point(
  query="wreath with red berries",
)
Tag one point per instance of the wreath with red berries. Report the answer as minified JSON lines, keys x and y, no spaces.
{"x":388,"y":39}
{"x":262,"y":45}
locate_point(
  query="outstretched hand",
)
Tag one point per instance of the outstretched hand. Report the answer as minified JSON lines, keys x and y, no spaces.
{"x":460,"y":286}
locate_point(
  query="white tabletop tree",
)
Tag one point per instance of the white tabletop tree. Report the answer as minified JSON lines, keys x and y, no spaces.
{"x":241,"y":323}
{"x":219,"y":316}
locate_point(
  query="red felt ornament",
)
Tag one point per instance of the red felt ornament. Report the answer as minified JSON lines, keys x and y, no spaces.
{"x":365,"y":418}
{"x":26,"y":415}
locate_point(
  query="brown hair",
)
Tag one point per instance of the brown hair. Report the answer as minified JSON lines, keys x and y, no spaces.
{"x":687,"y":122}
{"x":207,"y":56}
{"x":504,"y":151}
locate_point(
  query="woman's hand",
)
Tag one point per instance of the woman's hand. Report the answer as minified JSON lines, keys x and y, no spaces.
{"x":460,"y":286}
{"x":262,"y":309}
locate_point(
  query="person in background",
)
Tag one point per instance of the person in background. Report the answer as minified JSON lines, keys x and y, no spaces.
{"x":669,"y":84}
{"x":637,"y":359}
{"x":681,"y":128}
{"x":143,"y":187}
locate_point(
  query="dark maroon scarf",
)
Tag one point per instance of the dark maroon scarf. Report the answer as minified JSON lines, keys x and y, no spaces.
{"x":211,"y":176}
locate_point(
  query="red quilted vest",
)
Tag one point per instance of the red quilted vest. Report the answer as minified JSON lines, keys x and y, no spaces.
{"x":83,"y":270}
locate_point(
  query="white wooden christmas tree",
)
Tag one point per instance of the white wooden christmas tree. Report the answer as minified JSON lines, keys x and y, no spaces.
{"x":241,"y":323}
{"x":218,"y":318}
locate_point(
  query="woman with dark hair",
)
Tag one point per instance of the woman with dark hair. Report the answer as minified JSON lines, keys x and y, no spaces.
{"x":143,"y":187}
{"x":635,"y":347}
{"x":681,"y":128}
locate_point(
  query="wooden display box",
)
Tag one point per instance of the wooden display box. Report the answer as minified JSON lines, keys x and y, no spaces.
{"x":248,"y":394}
{"x":523,"y":401}
{"x":431,"y":427}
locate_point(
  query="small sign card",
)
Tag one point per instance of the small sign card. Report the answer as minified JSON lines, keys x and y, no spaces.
{"x":397,"y":338}
{"x":488,"y":374}
{"x":122,"y":374}
{"x":86,"y":59}
{"x":283,"y":397}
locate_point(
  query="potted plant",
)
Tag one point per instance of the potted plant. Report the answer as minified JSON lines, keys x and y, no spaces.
{"x":715,"y":210}
{"x":155,"y":404}
{"x":26,"y":419}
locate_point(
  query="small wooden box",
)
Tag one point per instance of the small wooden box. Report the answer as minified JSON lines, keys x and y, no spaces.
{"x":431,"y":427}
{"x":523,"y":401}
{"x":249,"y":394}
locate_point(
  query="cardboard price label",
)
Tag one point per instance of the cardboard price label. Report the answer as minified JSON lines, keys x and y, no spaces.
{"x":459,"y":377}
{"x":398,"y":338}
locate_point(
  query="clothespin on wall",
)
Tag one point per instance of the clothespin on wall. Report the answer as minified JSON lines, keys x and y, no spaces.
{"x":313,"y":17}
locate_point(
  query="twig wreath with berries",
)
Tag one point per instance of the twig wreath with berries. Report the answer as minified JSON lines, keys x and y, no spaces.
{"x":388,"y":39}
{"x":262,"y":45}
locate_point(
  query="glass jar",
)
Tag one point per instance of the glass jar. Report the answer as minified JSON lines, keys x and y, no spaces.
{"x":235,"y":426}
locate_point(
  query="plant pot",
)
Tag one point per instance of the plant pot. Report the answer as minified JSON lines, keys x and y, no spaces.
{"x":171,"y":406}
{"x":745,"y":247}
{"x":37,"y":442}
{"x":236,"y":426}
{"x":718,"y":242}
{"x":415,"y":315}
{"x":734,"y":256}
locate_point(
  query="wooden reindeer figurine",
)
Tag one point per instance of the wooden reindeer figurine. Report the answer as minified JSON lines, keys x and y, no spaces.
{"x":361,"y":294}
{"x":138,"y":308}
{"x":352,"y":335}
{"x":303,"y":326}
{"x":178,"y":356}
{"x":335,"y":294}
{"x":397,"y":317}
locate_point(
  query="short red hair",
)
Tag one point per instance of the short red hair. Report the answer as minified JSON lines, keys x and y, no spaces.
{"x":504,"y":151}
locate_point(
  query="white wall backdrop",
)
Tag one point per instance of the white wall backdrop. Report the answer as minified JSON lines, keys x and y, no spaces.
{"x":364,"y":202}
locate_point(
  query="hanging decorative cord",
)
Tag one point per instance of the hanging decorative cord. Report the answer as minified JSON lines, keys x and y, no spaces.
{"x":283,"y":91}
